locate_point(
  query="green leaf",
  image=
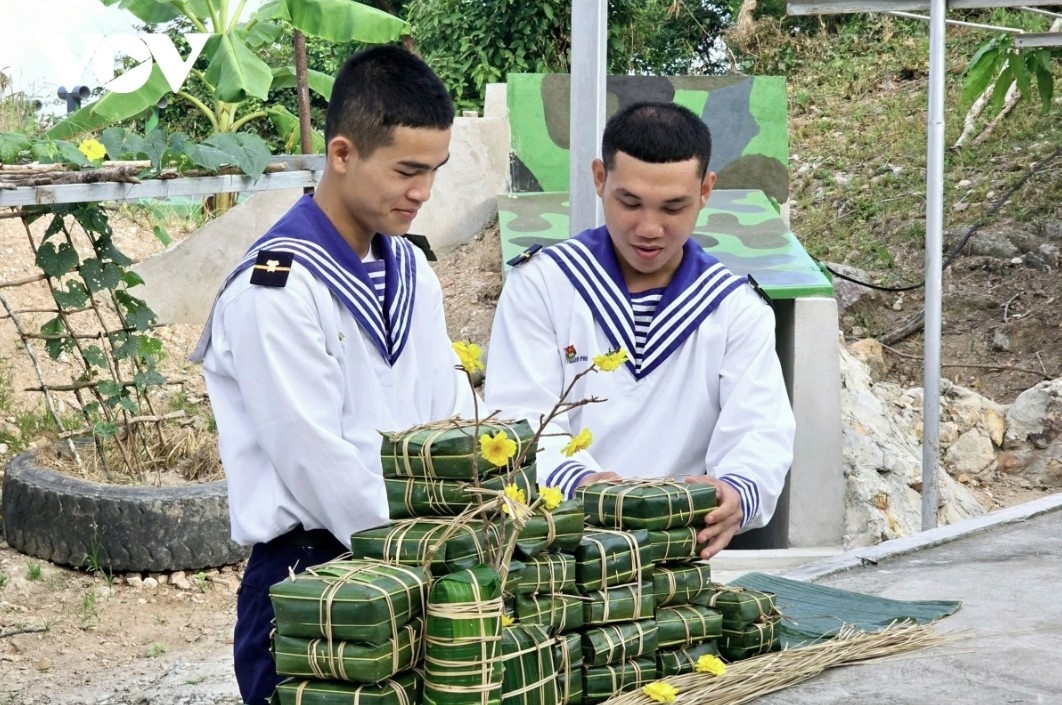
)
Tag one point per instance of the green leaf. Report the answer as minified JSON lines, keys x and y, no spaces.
{"x":113,"y":140}
{"x":982,"y":71}
{"x":319,"y":82}
{"x":1045,"y":86}
{"x":131,"y":278}
{"x":11,"y":145}
{"x":107,"y":250}
{"x":345,"y":21}
{"x":248,"y":151}
{"x":273,"y":10}
{"x":112,"y":108}
{"x":105,"y":429}
{"x":74,"y":296}
{"x":263,"y":34}
{"x":56,"y":346}
{"x":162,"y":236}
{"x":151,"y":11}
{"x":235,"y":72}
{"x":148,"y":378}
{"x":1016,"y":62}
{"x":99,"y":276}
{"x":95,"y":356}
{"x":137,"y":313}
{"x":70,"y":154}
{"x":155,"y":148}
{"x":287,"y":127}
{"x":56,"y":261}
{"x":127,"y":403}
{"x":999,"y":93}
{"x":206,"y":156}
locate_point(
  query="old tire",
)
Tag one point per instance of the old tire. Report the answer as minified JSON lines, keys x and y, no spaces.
{"x":125,"y":528}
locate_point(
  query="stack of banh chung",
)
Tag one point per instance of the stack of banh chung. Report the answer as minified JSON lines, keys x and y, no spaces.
{"x":639,"y":573}
{"x":750,"y":620}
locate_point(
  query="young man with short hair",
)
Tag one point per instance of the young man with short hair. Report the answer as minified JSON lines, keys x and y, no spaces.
{"x":330,"y":329}
{"x":701,"y":395}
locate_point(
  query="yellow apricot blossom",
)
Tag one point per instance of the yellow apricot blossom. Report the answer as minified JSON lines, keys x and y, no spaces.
{"x":516,"y":494}
{"x":469,"y":354}
{"x":710,"y":664}
{"x":497,"y":449}
{"x":611,"y":360}
{"x":580,"y":441}
{"x":507,"y":621}
{"x":661,"y":692}
{"x":551,"y":497}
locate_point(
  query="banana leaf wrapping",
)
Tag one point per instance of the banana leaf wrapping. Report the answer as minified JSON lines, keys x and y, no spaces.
{"x":614,"y":643}
{"x":682,"y":625}
{"x":445,"y":450}
{"x":562,"y":613}
{"x":513,"y":578}
{"x":675,"y":662}
{"x":679,"y":583}
{"x":349,"y":600}
{"x":462,"y":632}
{"x":739,"y":606}
{"x":605,"y":558}
{"x":602,"y":682}
{"x":568,"y":655}
{"x":674,"y":544}
{"x":547,"y":573}
{"x":408,"y":542}
{"x":622,"y":603}
{"x":530,"y":670}
{"x":409,"y":497}
{"x":646,"y":504}
{"x":327,"y":659}
{"x":749,"y":640}
{"x":403,"y":689}
{"x":557,"y":530}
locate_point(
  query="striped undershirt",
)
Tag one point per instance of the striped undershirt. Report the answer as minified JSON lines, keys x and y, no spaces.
{"x":378,"y":276}
{"x":644,"y":305}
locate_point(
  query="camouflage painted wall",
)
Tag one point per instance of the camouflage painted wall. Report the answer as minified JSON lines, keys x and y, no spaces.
{"x":746,"y":114}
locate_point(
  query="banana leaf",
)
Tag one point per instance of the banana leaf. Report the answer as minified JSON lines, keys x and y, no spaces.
{"x":345,"y":600}
{"x":615,"y":643}
{"x":547,"y":573}
{"x":411,"y":542}
{"x":674,"y":544}
{"x":568,"y":655}
{"x":327,"y":659}
{"x":562,"y":613}
{"x":605,"y":558}
{"x":461,"y":637}
{"x":557,"y":530}
{"x":602,"y":682}
{"x":678,"y":583}
{"x":622,"y":603}
{"x":409,"y":497}
{"x":739,"y":606}
{"x":444,"y":450}
{"x":749,"y":640}
{"x":682,"y":625}
{"x":403,"y":689}
{"x":646,"y":504}
{"x":529,"y":670}
{"x":676,"y":662}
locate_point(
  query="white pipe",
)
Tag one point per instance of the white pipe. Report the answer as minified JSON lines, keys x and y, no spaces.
{"x":957,"y":23}
{"x":934,"y":275}
{"x":586,"y":110}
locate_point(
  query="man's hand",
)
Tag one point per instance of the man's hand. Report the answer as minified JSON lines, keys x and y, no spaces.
{"x":598,"y":477}
{"x":723,"y":521}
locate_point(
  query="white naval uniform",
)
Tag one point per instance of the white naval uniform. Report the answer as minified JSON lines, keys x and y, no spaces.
{"x":302,"y":377}
{"x":705,"y":395}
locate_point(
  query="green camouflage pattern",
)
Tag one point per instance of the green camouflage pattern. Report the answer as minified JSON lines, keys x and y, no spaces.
{"x":746,"y":114}
{"x":739,"y":227}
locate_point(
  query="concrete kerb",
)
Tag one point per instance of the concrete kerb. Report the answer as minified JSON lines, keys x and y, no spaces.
{"x":859,"y":557}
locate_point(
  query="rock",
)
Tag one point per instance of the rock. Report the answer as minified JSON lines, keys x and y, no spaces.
{"x":870,"y":353}
{"x":151,"y":583}
{"x":1000,"y":341}
{"x":971,"y":454}
{"x":995,"y":424}
{"x":847,"y":293}
{"x":134,"y":581}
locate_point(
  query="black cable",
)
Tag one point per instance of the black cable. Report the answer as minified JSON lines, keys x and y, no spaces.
{"x":965,"y":238}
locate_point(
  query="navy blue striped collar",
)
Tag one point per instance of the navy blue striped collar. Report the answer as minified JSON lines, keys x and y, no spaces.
{"x":309,"y":235}
{"x":694,"y":292}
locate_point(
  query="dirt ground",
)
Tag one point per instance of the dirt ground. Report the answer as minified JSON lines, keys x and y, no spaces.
{"x":64,"y":632}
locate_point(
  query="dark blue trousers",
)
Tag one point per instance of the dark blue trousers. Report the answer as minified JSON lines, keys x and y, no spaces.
{"x":269,"y":564}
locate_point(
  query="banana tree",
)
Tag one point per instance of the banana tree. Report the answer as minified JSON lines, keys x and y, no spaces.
{"x":234,"y":73}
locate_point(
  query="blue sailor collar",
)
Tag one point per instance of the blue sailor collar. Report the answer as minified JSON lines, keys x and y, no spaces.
{"x":307,"y":233}
{"x":700,"y":284}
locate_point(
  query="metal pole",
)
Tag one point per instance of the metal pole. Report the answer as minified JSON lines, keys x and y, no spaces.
{"x":934,"y":275}
{"x":587,"y":110}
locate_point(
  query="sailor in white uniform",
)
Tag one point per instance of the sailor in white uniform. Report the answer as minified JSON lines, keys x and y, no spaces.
{"x":330,"y":331}
{"x":702,"y":394}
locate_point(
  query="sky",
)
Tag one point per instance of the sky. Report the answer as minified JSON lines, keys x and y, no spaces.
{"x":29,"y":27}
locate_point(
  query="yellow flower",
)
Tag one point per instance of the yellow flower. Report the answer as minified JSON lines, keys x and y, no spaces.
{"x":710,"y":664}
{"x":551,"y":497}
{"x":660,"y":692}
{"x":507,"y":621}
{"x":514,"y":493}
{"x":579,"y":442}
{"x":469,"y":354}
{"x":93,"y":150}
{"x":610,"y":361}
{"x":497,"y":449}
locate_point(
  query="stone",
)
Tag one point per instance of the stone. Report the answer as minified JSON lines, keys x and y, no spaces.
{"x":151,"y":583}
{"x":971,"y":454}
{"x":995,"y":424}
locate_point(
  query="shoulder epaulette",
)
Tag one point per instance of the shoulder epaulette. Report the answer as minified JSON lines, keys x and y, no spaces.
{"x":759,"y":290}
{"x":524,"y":256}
{"x":271,"y":268}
